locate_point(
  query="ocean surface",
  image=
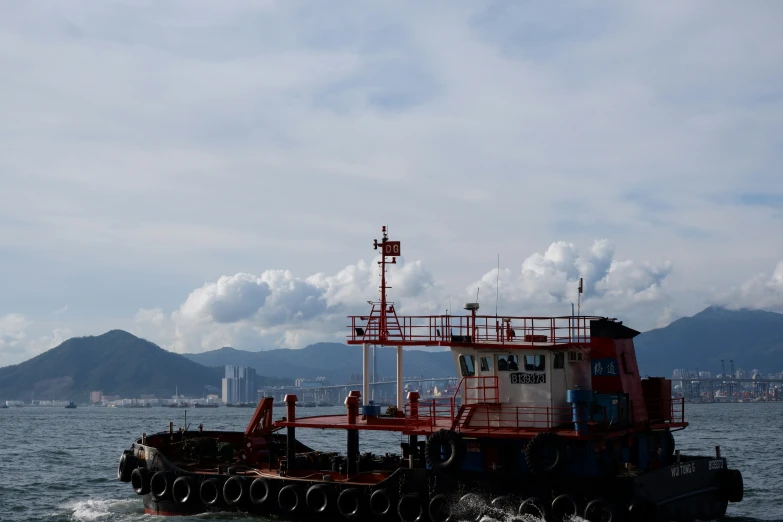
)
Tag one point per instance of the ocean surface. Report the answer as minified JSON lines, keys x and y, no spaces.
{"x":60,"y":465}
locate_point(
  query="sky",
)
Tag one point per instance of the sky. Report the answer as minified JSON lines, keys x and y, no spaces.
{"x":208,"y":174}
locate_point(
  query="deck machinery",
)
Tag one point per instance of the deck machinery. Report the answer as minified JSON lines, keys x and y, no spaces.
{"x":551,"y":419}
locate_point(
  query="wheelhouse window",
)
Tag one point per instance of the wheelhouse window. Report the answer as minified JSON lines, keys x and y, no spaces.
{"x":467,"y":365}
{"x":558,"y":363}
{"x":535,"y":363}
{"x":507,"y":363}
{"x":486,"y":364}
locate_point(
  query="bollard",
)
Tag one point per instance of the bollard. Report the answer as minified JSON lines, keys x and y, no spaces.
{"x":717,"y":452}
{"x":413,"y":400}
{"x":677,"y":457}
{"x":290,"y":441}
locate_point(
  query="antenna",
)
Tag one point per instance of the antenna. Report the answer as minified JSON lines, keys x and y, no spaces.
{"x":579,"y":299}
{"x":477,"y":291}
{"x":497,"y":287}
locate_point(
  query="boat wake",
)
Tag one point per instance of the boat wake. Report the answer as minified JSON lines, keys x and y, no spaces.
{"x":109,"y":509}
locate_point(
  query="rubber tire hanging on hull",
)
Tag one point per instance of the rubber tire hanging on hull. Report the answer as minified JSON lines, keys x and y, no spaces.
{"x":260,"y":492}
{"x":140,"y":481}
{"x":409,"y":508}
{"x":440,"y":508}
{"x":445,"y":440}
{"x":536,"y":454}
{"x":563,"y":508}
{"x":234,"y":490}
{"x":183,"y":490}
{"x":160,"y":485}
{"x":533,"y":507}
{"x":734,"y":485}
{"x":599,"y":510}
{"x":210,"y":492}
{"x":126,"y":466}
{"x":289,"y":499}
{"x":317,"y":498}
{"x":349,"y":503}
{"x":380,"y":503}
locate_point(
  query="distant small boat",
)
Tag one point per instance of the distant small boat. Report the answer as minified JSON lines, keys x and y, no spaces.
{"x":3,"y":406}
{"x":70,"y":406}
{"x":205,"y":404}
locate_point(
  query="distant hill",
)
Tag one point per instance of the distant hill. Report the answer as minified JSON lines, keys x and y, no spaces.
{"x":334,"y":361}
{"x":752,"y":338}
{"x":117,"y":362}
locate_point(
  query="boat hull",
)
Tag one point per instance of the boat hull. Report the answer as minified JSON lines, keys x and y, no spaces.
{"x":695,"y":489}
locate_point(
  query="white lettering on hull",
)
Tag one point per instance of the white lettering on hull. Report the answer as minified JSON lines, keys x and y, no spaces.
{"x":684,"y":469}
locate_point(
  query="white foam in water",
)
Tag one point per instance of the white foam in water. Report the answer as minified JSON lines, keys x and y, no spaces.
{"x":97,"y":509}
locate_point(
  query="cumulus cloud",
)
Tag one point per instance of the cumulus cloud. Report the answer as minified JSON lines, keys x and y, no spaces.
{"x":278,"y":309}
{"x":548,"y":282}
{"x":763,"y":291}
{"x":17,"y":343}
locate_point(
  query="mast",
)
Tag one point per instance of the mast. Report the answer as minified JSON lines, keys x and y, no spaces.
{"x":392,"y":249}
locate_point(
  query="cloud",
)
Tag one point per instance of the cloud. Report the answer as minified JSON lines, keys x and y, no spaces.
{"x":157,"y":147}
{"x":548,"y":283}
{"x":17,"y":344}
{"x":762,"y":291}
{"x":279,"y":309}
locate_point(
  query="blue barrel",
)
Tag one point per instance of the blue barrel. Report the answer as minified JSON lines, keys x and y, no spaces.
{"x":371,"y":410}
{"x":580,"y":408}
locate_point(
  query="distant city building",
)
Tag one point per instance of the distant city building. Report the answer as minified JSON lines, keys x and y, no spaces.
{"x":239,"y":384}
{"x":148,"y":397}
{"x":96,"y":396}
{"x":111,"y":397}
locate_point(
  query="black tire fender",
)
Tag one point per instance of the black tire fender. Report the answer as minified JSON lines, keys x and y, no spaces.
{"x":183,"y":491}
{"x":126,"y":466}
{"x":260,"y":491}
{"x":440,"y":508}
{"x":533,"y":507}
{"x":599,"y":510}
{"x":380,"y":503}
{"x":433,"y":451}
{"x":734,"y":485}
{"x":348,"y":503}
{"x":318,"y":498}
{"x":536,"y":453}
{"x":160,"y":485}
{"x":564,"y":508}
{"x":409,"y":508}
{"x":289,"y":499}
{"x":472,"y":506}
{"x":140,"y":481}
{"x":210,"y":492}
{"x":234,"y":490}
{"x":504,"y":503}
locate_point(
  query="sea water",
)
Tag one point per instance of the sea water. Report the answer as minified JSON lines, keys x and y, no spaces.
{"x":60,"y":464}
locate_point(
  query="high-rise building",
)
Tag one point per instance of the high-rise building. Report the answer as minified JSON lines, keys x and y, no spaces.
{"x":239,"y":384}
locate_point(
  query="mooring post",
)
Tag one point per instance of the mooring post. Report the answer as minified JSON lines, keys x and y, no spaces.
{"x":290,"y":443}
{"x":352,"y":407}
{"x":717,"y":452}
{"x":677,"y":457}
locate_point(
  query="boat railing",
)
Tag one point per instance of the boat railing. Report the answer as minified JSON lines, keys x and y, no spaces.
{"x":427,"y":413}
{"x":667,"y":410}
{"x":478,"y":389}
{"x":446,"y":330}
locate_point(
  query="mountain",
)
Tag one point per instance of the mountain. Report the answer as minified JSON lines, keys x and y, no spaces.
{"x":117,"y":363}
{"x":753,"y":339}
{"x":334,"y":361}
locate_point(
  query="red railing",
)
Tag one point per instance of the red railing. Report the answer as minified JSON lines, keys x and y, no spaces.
{"x":480,"y":389}
{"x":481,"y":329}
{"x":505,"y":418}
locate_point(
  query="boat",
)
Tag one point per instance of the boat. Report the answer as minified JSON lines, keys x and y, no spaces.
{"x":205,"y":405}
{"x":70,"y":406}
{"x":550,"y":419}
{"x":179,"y":404}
